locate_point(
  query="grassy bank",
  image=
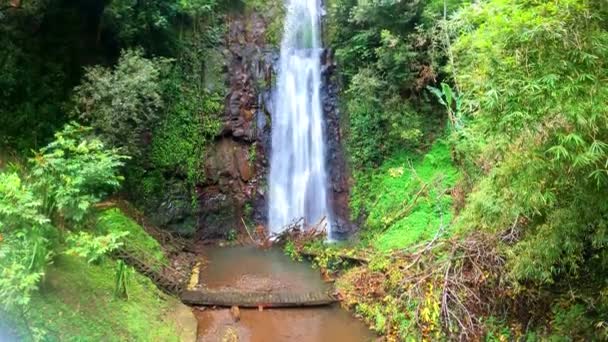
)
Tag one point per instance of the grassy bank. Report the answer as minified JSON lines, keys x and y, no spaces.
{"x":411,"y":268}
{"x":404,"y":203}
{"x":407,"y":199}
{"x":77,"y":302}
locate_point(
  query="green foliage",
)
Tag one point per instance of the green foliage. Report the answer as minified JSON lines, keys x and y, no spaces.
{"x":231,"y":236}
{"x":113,"y":222}
{"x":65,"y":179}
{"x":404,"y":201}
{"x":384,"y":299}
{"x":252,"y":155}
{"x":378,"y":126}
{"x":374,"y":314}
{"x":329,"y":259}
{"x":24,"y":247}
{"x":20,"y":208}
{"x":73,"y":172}
{"x":521,"y":81}
{"x":571,"y":320}
{"x":93,"y":248}
{"x":191,"y":92}
{"x":497,"y":330}
{"x":529,"y":77}
{"x":273,"y":12}
{"x":291,"y":251}
{"x":36,"y":68}
{"x":358,"y":29}
{"x":126,"y":93}
{"x":17,"y":285}
{"x":121,"y":103}
{"x":156,"y":25}
{"x":181,"y":139}
{"x":126,"y":99}
{"x":46,"y":44}
{"x":451,"y":102}
{"x":388,"y":53}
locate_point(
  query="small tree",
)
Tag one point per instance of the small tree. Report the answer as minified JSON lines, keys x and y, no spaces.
{"x":121,"y":103}
{"x":66,"y":178}
{"x":73,"y":172}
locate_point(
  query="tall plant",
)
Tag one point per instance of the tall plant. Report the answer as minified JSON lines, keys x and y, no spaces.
{"x":533,"y":77}
{"x":122,"y":103}
{"x":65,"y":179}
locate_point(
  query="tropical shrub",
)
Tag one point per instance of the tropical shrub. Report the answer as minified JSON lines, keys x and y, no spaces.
{"x":122,"y":103}
{"x":73,"y":172}
{"x":93,"y":248}
{"x":65,"y":179}
{"x":24,"y":243}
{"x":539,"y":129}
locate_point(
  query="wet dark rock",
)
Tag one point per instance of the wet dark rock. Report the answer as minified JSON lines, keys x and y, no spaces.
{"x":175,"y":212}
{"x":335,"y":158}
{"x":236,"y":164}
{"x":342,"y":228}
{"x":217,"y":214}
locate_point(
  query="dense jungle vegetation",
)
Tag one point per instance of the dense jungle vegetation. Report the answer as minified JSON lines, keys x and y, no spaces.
{"x":487,"y":216}
{"x":85,"y":87}
{"x":476,"y":134}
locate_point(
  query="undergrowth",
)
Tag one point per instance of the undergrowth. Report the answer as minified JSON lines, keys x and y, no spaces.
{"x":137,"y":242}
{"x":406,"y":200}
{"x":77,"y":303}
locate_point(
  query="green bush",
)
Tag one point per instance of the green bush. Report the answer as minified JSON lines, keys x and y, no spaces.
{"x":25,"y":245}
{"x":538,"y":128}
{"x":65,"y":179}
{"x":93,"y":248}
{"x":388,"y":51}
{"x":122,"y":103}
{"x":73,"y":172}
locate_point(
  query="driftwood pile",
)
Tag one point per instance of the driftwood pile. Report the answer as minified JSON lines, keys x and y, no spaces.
{"x":296,"y":231}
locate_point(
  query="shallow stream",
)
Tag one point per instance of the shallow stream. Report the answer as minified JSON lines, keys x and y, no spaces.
{"x":253,"y":269}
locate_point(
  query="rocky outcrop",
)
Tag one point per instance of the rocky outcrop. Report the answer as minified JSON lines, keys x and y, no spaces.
{"x":338,"y":173}
{"x":236,"y":164}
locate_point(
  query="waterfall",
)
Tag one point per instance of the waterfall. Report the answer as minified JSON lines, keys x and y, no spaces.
{"x":298,"y":187}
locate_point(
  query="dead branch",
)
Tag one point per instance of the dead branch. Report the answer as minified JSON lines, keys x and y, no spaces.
{"x":405,"y":211}
{"x":353,"y":258}
{"x":248,"y":233}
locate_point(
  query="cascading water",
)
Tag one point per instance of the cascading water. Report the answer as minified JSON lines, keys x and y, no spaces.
{"x":298,"y":187}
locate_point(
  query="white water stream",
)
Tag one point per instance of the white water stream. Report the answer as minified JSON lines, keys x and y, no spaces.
{"x":298,"y":186}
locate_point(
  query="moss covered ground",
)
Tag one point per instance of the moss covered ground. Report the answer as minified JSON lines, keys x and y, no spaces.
{"x":138,"y":242}
{"x":406,"y":200}
{"x":76,"y":300}
{"x":77,"y":303}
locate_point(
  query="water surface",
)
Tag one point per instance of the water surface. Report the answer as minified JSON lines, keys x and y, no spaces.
{"x":253,"y":269}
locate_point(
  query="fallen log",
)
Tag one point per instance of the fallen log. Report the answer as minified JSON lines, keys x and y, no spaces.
{"x":230,"y":298}
{"x":353,"y":258}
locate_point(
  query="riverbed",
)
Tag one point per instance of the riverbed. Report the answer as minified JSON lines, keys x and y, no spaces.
{"x":254,"y":269}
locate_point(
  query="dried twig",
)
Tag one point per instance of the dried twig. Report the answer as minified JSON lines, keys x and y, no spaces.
{"x":247,"y":230}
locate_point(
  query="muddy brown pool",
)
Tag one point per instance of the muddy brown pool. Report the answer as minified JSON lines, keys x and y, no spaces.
{"x":253,"y":269}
